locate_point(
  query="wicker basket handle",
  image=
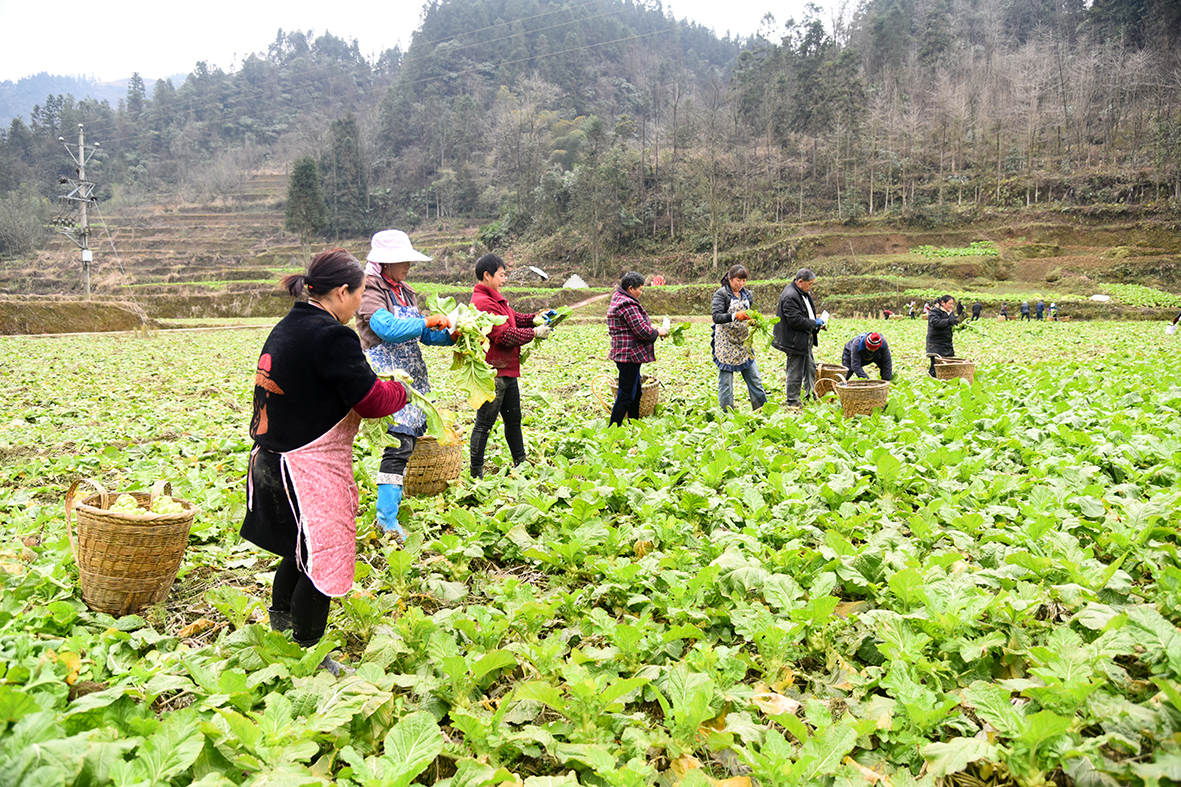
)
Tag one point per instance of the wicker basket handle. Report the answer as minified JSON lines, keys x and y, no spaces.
{"x":595,"y":390}
{"x":104,"y":499}
{"x":161,"y":487}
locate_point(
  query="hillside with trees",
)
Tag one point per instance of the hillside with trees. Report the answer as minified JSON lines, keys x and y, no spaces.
{"x":590,"y":129}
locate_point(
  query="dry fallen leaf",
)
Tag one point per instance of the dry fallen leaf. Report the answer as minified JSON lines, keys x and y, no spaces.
{"x":195,"y":628}
{"x":774,"y":704}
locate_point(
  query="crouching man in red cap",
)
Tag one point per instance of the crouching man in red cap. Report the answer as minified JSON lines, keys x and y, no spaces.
{"x":865,"y":349}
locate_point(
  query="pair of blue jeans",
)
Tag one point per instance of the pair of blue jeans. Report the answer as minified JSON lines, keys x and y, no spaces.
{"x":754,"y":387}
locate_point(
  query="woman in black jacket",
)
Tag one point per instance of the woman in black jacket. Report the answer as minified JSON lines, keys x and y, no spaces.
{"x":795,"y":335}
{"x":940,"y":323}
{"x":730,"y":335}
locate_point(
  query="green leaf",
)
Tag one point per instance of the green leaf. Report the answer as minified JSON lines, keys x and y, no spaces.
{"x":994,"y":705}
{"x":15,"y":704}
{"x":944,"y":759}
{"x":412,"y":745}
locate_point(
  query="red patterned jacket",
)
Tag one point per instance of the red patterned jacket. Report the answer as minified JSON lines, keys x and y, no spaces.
{"x":505,"y":340}
{"x":633,"y":337}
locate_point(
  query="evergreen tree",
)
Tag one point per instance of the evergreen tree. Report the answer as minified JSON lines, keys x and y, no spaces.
{"x":345,"y":180}
{"x":306,"y":212}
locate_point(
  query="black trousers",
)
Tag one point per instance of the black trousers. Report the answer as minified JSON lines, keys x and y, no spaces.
{"x":506,"y":405}
{"x":627,"y":398}
{"x":395,"y":457}
{"x":294,"y":593}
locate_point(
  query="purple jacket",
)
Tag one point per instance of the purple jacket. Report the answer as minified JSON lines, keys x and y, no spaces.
{"x":633,"y":336}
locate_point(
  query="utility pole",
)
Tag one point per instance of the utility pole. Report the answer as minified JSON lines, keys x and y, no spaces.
{"x":82,"y":193}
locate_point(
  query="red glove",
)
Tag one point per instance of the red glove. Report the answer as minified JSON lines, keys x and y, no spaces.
{"x":740,"y":316}
{"x":438,"y":321}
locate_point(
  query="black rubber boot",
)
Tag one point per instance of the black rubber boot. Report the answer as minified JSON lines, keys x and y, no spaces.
{"x":280,"y":621}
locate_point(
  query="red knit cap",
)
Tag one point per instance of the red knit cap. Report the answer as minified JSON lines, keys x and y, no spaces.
{"x":873,"y":341}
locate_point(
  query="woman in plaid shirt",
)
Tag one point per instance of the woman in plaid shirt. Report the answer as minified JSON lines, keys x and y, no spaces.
{"x":633,"y":339}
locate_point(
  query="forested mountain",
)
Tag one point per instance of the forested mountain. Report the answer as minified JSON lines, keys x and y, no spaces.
{"x":606,"y":125}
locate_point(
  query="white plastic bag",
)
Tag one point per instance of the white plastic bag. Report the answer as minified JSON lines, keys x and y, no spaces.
{"x":667,"y":324}
{"x":1171,"y":329}
{"x":824,"y":316}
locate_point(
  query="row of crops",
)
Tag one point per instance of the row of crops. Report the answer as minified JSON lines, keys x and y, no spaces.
{"x":980,"y":584}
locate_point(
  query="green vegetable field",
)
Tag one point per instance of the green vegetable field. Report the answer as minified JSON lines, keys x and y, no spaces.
{"x":979,"y":586}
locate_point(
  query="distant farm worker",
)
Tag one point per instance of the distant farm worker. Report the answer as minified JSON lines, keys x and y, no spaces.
{"x":391,"y":328}
{"x":1041,"y":309}
{"x":866,"y":349}
{"x":1054,"y":311}
{"x":731,"y":332}
{"x":959,"y":308}
{"x":1025,"y":310}
{"x":911,"y":310}
{"x":977,"y":308}
{"x":940,"y":324}
{"x":633,"y":342}
{"x":312,"y":387}
{"x":795,"y":335}
{"x":1005,"y":311}
{"x":926,"y":309}
{"x":887,"y":314}
{"x":504,"y":355}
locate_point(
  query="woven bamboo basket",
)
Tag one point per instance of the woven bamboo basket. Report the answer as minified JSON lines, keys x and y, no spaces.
{"x":832,"y":371}
{"x":126,"y":561}
{"x":649,"y":392}
{"x":431,"y":467}
{"x":826,"y":387}
{"x":952,"y":368}
{"x":862,"y":397}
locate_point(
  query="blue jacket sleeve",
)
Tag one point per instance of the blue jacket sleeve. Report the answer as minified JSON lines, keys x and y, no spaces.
{"x":394,"y":329}
{"x":436,"y":337}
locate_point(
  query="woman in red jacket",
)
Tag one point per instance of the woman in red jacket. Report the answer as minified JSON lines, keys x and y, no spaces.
{"x":504,"y":355}
{"x":312,"y":387}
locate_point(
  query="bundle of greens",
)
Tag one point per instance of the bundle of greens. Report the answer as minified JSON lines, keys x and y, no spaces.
{"x":758,"y":324}
{"x":440,"y":424}
{"x":471,"y":328}
{"x":677,"y":333}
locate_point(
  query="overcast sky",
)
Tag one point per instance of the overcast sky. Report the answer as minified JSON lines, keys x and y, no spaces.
{"x":111,"y":40}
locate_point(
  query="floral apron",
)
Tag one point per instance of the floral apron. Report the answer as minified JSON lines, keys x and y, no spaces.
{"x":407,"y":356}
{"x":729,"y":353}
{"x":327,"y":502}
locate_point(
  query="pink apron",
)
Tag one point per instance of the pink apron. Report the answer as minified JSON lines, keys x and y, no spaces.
{"x":321,"y":473}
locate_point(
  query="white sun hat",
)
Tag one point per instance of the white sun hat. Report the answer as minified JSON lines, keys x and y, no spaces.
{"x":393,"y":246}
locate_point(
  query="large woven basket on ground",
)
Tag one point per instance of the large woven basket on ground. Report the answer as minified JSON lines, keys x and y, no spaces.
{"x":862,"y":397}
{"x":431,"y":467}
{"x":832,"y":371}
{"x":951,"y":368}
{"x":126,"y":561}
{"x":649,"y":392}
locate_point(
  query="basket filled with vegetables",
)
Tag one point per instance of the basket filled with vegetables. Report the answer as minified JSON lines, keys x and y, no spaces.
{"x":128,"y":546}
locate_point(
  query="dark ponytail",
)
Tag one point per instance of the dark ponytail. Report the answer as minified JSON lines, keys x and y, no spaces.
{"x":327,"y":271}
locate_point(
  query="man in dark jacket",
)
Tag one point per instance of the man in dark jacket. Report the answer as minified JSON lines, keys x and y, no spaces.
{"x":1041,"y":309}
{"x":795,"y":335}
{"x":1025,"y":310}
{"x":940,"y":323}
{"x":866,"y":349}
{"x":977,"y":308}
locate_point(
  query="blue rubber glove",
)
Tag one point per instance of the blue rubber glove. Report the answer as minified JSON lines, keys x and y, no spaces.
{"x":389,"y":498}
{"x":819,"y":323}
{"x":545,"y":318}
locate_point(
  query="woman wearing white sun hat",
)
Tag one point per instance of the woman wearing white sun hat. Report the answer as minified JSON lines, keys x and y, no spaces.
{"x":391,"y":327}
